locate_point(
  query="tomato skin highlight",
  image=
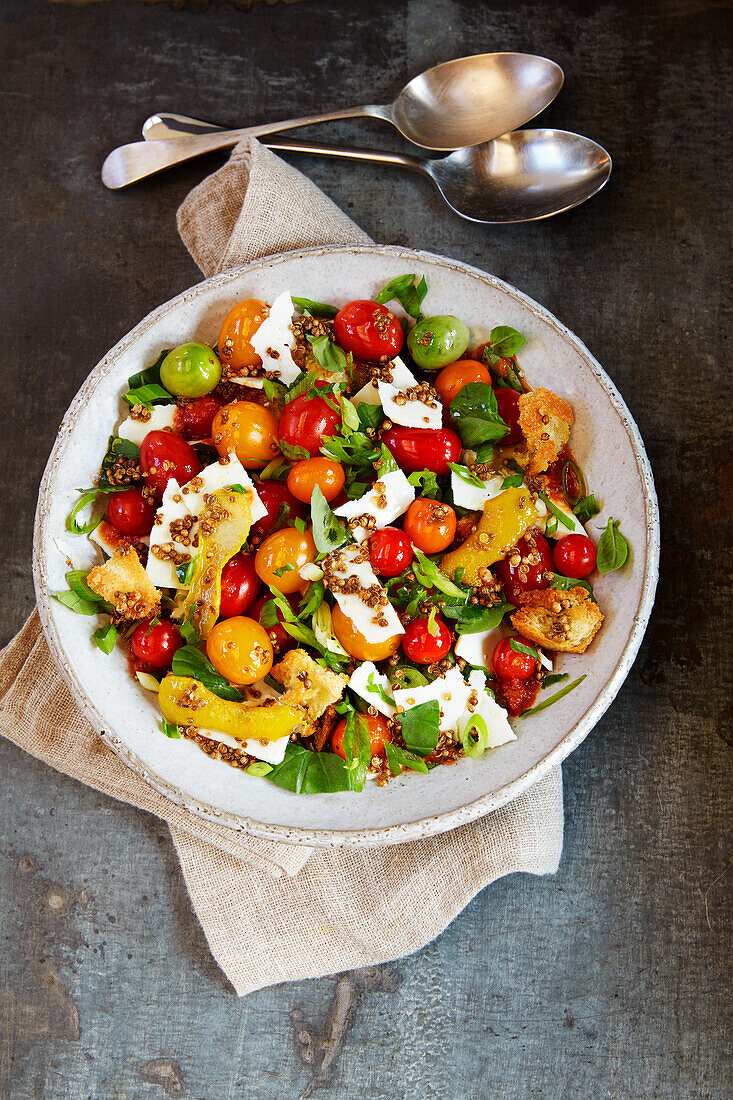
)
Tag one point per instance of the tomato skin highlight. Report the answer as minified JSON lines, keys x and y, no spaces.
{"x":356,"y":644}
{"x":528,"y":575}
{"x":455,"y":376}
{"x":575,"y":556}
{"x":430,"y":524}
{"x":390,"y":552}
{"x":325,"y":473}
{"x":368,"y":330}
{"x":508,"y":405}
{"x":239,"y":585}
{"x":156,"y":644}
{"x":275,"y":496}
{"x":418,"y":449}
{"x":130,"y":513}
{"x":164,"y":455}
{"x":280,"y":550}
{"x":240,"y":650}
{"x":248,"y":429}
{"x":307,"y":422}
{"x":237,"y":330}
{"x":421,"y":646}
{"x":509,"y":665}
{"x":379,"y":733}
{"x":195,"y":417}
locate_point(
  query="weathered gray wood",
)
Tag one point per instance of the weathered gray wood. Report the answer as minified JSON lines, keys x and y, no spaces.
{"x":611,"y":979}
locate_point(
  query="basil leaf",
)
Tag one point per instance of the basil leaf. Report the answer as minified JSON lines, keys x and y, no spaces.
{"x":475,"y":414}
{"x":349,"y":415}
{"x":404,"y":290}
{"x":170,"y":729}
{"x":105,"y":637}
{"x":357,"y":746}
{"x":528,"y":651}
{"x":505,"y":342}
{"x":329,"y":533}
{"x":370,"y":416}
{"x":189,"y":661}
{"x":420,"y":727}
{"x":312,"y":599}
{"x":426,"y":482}
{"x":558,"y":513}
{"x":428,"y":573}
{"x":565,"y":583}
{"x":586,"y":508}
{"x":554,"y":678}
{"x":189,"y":633}
{"x":306,"y":772}
{"x":465,"y":474}
{"x":613,"y":549}
{"x":148,"y":396}
{"x":398,"y":759}
{"x":150,"y":376}
{"x":486,"y":618}
{"x":295,"y":454}
{"x":117,"y":448}
{"x":386,"y":463}
{"x":328,"y":355}
{"x":260,"y":768}
{"x":314,"y":309}
{"x":274,"y":391}
{"x":553,"y":698}
{"x":277,"y":470}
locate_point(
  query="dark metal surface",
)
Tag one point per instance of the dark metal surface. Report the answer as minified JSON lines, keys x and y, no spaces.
{"x":608,"y":980}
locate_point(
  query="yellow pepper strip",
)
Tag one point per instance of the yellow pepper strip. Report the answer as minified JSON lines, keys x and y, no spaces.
{"x":504,"y":521}
{"x":224,"y":525}
{"x":186,"y":702}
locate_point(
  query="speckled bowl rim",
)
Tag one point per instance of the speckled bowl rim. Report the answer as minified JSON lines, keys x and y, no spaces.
{"x":425,"y":827}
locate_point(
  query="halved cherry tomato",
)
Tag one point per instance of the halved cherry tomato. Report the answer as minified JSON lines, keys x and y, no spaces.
{"x":307,"y":421}
{"x":356,"y":644}
{"x":249,"y":430}
{"x":575,"y":556}
{"x":282,"y":507}
{"x":379,"y":733}
{"x":164,"y":455}
{"x":390,"y":552}
{"x":239,"y":585}
{"x":454,"y":377}
{"x":535,"y":561}
{"x":194,"y":418}
{"x":240,"y":325}
{"x":423,"y":448}
{"x":280,"y":557}
{"x":368,"y":330}
{"x":508,"y":404}
{"x":305,"y":475}
{"x":130,"y":513}
{"x":430,"y":524}
{"x":423,"y":646}
{"x":509,"y":665}
{"x":240,"y":650}
{"x":281,"y":640}
{"x":155,"y":643}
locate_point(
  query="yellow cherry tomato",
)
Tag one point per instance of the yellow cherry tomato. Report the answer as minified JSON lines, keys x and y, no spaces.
{"x":280,"y":557}
{"x":329,"y":476}
{"x":248,"y":429}
{"x":240,"y":325}
{"x":455,"y":376}
{"x":356,"y":644}
{"x":240,"y":650}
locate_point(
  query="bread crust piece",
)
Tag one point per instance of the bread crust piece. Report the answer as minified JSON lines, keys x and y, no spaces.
{"x":545,"y":420}
{"x":308,"y":684}
{"x":123,"y":582}
{"x":565,"y":622}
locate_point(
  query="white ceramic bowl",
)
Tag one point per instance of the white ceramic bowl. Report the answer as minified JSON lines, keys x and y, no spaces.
{"x":608,"y":447}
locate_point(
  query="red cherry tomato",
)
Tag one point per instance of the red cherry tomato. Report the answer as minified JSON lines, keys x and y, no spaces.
{"x":368,"y":330}
{"x":164,"y":455}
{"x":194,"y":418}
{"x":306,"y":421}
{"x":130,"y":513}
{"x":423,"y":448}
{"x":276,"y":497}
{"x":390,"y":552}
{"x":281,"y":640}
{"x":508,"y":404}
{"x":239,"y":585}
{"x":156,"y":644}
{"x":535,"y":561}
{"x":575,"y":556}
{"x":421,"y":646}
{"x":379,"y":733}
{"x":509,"y":665}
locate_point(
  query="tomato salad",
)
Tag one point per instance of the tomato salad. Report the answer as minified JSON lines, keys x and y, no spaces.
{"x":343,"y":543}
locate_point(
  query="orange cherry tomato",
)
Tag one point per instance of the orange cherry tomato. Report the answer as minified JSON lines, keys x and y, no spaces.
{"x":455,"y":376}
{"x":329,"y":476}
{"x":240,"y":650}
{"x":240,"y":325}
{"x":249,"y":430}
{"x":379,"y":733}
{"x":430,"y":524}
{"x":280,"y":557}
{"x":356,"y":644}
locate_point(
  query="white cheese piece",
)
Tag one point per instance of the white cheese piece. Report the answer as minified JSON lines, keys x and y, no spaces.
{"x":478,"y":648}
{"x":354,"y":607}
{"x":368,"y":394}
{"x":273,"y":752}
{"x":161,"y":417}
{"x":163,"y":573}
{"x":273,"y":340}
{"x":217,"y":476}
{"x":401,"y":378}
{"x":366,"y":676}
{"x":253,"y":383}
{"x":451,"y":692}
{"x":410,"y":414}
{"x":497,"y":724}
{"x":562,"y":530}
{"x":399,"y":496}
{"x":471,"y":496}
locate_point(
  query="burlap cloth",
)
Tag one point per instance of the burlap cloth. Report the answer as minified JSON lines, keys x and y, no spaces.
{"x":274,"y":912}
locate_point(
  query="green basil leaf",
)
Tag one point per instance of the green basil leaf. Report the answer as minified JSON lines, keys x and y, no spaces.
{"x":328,"y":355}
{"x":404,"y":290}
{"x":370,"y":416}
{"x":189,"y":661}
{"x":386,"y":463}
{"x":148,"y":396}
{"x":150,"y":376}
{"x":565,"y":583}
{"x":528,"y":651}
{"x":170,"y":729}
{"x":505,"y":342}
{"x":475,"y":414}
{"x":426,"y":482}
{"x":314,"y":309}
{"x":277,"y":470}
{"x":398,"y":759}
{"x":553,"y":698}
{"x":613,"y":549}
{"x":420,"y":727}
{"x":485,"y":618}
{"x":329,"y":533}
{"x":274,"y":391}
{"x":306,"y":772}
{"x":105,"y":637}
{"x":558,"y":513}
{"x":312,"y":599}
{"x":349,"y":415}
{"x":189,"y":633}
{"x":295,"y":454}
{"x":117,"y":448}
{"x":428,"y":573}
{"x":377,"y":689}
{"x":586,"y":508}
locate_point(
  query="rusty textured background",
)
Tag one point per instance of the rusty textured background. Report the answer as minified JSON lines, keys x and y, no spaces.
{"x":609,"y":980}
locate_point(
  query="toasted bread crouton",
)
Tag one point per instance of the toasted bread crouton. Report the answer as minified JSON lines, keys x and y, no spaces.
{"x":564,"y":621}
{"x":123,"y":582}
{"x":545,"y":420}
{"x":307,"y":684}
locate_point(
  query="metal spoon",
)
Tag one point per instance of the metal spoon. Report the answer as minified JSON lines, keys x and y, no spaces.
{"x":461,"y":102}
{"x":522,"y":176}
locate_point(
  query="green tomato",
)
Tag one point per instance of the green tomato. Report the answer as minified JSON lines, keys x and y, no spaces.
{"x":437,"y":341}
{"x":190,"y":370}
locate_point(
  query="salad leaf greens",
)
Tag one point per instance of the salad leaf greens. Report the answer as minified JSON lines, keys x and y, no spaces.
{"x":504,"y":342}
{"x":190,"y":661}
{"x":398,"y":759}
{"x":274,"y":391}
{"x":259,"y":768}
{"x":150,"y":376}
{"x":558,"y":513}
{"x":426,"y":482}
{"x":105,"y":637}
{"x":376,"y":689}
{"x":427,"y":572}
{"x":295,"y":454}
{"x":476,"y":416}
{"x":117,"y":448}
{"x":565,"y":583}
{"x":370,"y":416}
{"x":465,"y":474}
{"x":420,"y":727}
{"x":149,"y":395}
{"x":328,"y":355}
{"x":329,"y":533}
{"x":407,"y":292}
{"x":554,"y":678}
{"x":528,"y":651}
{"x":314,"y":309}
{"x":306,"y":772}
{"x":515,"y":479}
{"x":586,"y":508}
{"x":474,"y":619}
{"x":277,"y":470}
{"x":613,"y":549}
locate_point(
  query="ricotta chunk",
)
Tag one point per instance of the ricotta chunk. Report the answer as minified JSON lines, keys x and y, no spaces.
{"x":173,"y":507}
{"x":497,"y":724}
{"x":364,"y":679}
{"x":352,"y":563}
{"x":478,"y":648}
{"x":219,"y":475}
{"x":273,"y":340}
{"x":273,"y":752}
{"x":402,"y":378}
{"x":410,"y":414}
{"x":470,"y":496}
{"x":388,"y":498}
{"x":451,"y":692}
{"x":161,"y":417}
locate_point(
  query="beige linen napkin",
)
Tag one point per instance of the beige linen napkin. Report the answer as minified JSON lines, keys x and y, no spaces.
{"x":273,"y":912}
